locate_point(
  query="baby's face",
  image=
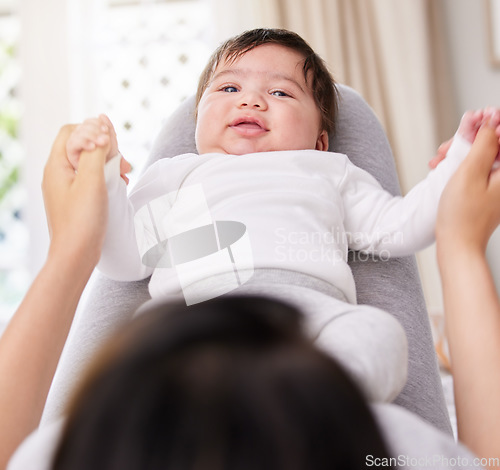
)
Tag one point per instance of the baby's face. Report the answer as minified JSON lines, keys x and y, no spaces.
{"x":259,"y":103}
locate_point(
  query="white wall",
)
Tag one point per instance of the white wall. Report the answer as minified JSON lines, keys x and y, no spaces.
{"x":59,"y":85}
{"x":46,"y":100}
{"x":476,"y":82}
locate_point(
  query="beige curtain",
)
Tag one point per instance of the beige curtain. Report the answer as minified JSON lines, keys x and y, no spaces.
{"x":393,"y":53}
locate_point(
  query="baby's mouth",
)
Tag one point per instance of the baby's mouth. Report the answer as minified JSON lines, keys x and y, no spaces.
{"x":248,"y":126}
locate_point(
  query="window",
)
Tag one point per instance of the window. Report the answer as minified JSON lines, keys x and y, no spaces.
{"x":13,"y":233}
{"x":145,"y":58}
{"x":133,"y":60}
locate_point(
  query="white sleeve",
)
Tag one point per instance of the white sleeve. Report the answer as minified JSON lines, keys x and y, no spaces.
{"x":120,"y":259}
{"x":377,"y":222}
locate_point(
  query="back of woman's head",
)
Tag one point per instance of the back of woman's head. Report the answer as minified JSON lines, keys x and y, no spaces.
{"x":231,"y":383}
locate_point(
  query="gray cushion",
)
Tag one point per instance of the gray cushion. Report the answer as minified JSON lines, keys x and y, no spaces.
{"x":391,"y":285}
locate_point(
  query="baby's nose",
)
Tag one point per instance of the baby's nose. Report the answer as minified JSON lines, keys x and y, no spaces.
{"x":253,"y":100}
{"x":255,"y":105}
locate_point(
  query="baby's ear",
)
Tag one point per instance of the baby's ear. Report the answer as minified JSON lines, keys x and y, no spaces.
{"x":322,"y":141}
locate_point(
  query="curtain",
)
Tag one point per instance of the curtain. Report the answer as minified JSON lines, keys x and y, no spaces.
{"x":394,"y":54}
{"x":391,"y":51}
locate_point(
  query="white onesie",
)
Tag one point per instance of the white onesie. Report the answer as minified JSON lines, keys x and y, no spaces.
{"x":193,"y":216}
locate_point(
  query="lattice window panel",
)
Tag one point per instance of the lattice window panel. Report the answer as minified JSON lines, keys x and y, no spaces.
{"x":148,"y":58}
{"x":13,"y":233}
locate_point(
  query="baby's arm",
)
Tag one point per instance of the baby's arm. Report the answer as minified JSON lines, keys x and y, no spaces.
{"x":380,"y":223}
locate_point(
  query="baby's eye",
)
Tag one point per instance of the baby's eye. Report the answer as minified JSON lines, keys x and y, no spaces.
{"x":279,"y":93}
{"x":229,"y":89}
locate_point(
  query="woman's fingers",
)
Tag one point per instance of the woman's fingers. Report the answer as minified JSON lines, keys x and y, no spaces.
{"x":58,"y":170}
{"x":483,"y":152}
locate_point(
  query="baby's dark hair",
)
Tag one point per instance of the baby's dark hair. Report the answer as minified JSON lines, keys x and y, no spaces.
{"x":231,"y":383}
{"x":322,"y":83}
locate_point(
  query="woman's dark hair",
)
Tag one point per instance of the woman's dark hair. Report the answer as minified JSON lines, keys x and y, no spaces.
{"x":231,"y":383}
{"x":320,"y":80}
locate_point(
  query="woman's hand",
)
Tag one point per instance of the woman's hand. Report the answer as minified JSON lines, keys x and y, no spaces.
{"x":469,"y":210}
{"x":31,"y":345}
{"x":93,"y":133}
{"x":75,"y":203}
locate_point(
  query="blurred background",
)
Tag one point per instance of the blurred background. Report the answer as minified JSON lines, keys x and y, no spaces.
{"x":419,"y":63}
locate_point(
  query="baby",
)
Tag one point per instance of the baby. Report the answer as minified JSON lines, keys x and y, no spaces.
{"x":264,"y":209}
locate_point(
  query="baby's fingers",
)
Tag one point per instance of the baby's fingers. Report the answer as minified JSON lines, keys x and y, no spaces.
{"x":470,"y":123}
{"x":105,"y":121}
{"x":94,"y":131}
{"x":86,"y":137}
{"x":491,"y":114}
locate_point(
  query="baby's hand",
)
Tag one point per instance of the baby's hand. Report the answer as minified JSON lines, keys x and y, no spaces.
{"x":470,"y":124}
{"x":468,"y":128}
{"x":92,"y":133}
{"x":472,"y":121}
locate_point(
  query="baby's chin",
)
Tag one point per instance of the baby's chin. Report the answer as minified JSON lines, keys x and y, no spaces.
{"x":233,"y":149}
{"x":246,"y":149}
